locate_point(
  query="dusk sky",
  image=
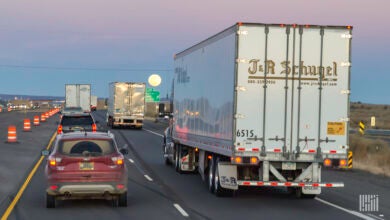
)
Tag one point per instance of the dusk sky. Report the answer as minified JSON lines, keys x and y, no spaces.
{"x":45,"y":44}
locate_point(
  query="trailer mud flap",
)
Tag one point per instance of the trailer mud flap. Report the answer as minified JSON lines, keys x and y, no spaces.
{"x":311,"y":190}
{"x":228,"y":175}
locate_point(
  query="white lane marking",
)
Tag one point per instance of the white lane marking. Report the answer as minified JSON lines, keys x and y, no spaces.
{"x":131,"y":161}
{"x":154,"y":132}
{"x":148,"y":178}
{"x":376,"y":217}
{"x":360,"y":215}
{"x":181,"y":210}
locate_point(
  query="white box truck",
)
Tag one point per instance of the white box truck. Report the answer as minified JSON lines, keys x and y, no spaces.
{"x":262,"y":105}
{"x":78,"y":95}
{"x":94,"y":102}
{"x":126,"y":104}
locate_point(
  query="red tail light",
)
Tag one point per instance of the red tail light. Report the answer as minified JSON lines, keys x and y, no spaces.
{"x":93,"y":127}
{"x":54,"y":161}
{"x":118,"y":160}
{"x":59,"y":129}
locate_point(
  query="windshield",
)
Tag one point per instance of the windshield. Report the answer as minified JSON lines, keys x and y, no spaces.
{"x":76,"y":120}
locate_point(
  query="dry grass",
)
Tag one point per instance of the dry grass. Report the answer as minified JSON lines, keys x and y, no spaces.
{"x":372,"y":155}
{"x":364,"y":112}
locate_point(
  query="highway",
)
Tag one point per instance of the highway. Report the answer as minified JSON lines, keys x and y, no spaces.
{"x":156,"y":191}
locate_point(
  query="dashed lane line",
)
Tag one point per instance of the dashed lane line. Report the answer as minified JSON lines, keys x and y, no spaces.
{"x":181,"y":210}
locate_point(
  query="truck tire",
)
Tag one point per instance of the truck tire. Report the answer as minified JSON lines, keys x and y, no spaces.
{"x":122,"y":200}
{"x":50,"y":201}
{"x":178,"y":159}
{"x":218,"y":190}
{"x":166,"y":159}
{"x":210,"y":176}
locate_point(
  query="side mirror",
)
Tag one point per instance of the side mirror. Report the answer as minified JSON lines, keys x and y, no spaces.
{"x":124,"y":150}
{"x":45,"y":153}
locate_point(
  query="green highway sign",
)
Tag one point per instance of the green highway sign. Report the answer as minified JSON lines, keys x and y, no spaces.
{"x":151,"y":95}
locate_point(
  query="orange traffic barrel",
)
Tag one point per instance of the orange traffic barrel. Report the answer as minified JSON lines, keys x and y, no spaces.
{"x":26,"y":125}
{"x":47,"y":115}
{"x":43,"y":117}
{"x":36,"y":120}
{"x":12,"y":138}
{"x":9,"y":109}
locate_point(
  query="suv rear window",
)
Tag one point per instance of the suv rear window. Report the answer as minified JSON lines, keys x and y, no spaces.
{"x":76,"y":120}
{"x":86,"y":147}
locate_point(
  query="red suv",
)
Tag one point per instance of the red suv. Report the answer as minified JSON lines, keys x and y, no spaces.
{"x":86,"y":165}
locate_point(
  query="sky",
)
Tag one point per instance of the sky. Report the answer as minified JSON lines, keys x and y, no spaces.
{"x":45,"y":44}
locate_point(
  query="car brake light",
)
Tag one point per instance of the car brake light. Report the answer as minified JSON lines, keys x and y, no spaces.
{"x":120,"y":186}
{"x":52,"y":162}
{"x":53,"y":187}
{"x":94,"y":127}
{"x":117,"y":160}
{"x":59,"y":129}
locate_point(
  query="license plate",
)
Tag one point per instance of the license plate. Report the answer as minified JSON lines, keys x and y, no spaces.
{"x":86,"y":166}
{"x":289,"y":166}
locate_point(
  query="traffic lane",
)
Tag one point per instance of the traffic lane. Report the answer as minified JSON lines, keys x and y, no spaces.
{"x":16,"y":118}
{"x":16,"y":159}
{"x":356,"y":183}
{"x":145,"y":201}
{"x":268,"y":203}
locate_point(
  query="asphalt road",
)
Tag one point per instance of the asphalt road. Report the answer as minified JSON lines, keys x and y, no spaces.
{"x":156,"y":191}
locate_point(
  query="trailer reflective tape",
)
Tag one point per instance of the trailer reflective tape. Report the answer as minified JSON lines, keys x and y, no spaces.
{"x":332,"y":151}
{"x":289,"y":184}
{"x":277,"y":150}
{"x":312,"y":151}
{"x":241,"y":149}
{"x":255,"y":149}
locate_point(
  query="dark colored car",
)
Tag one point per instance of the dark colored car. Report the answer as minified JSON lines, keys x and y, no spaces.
{"x":76,"y":122}
{"x":86,"y":165}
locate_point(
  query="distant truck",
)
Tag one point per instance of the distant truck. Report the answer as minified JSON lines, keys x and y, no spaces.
{"x":78,"y":95}
{"x":262,"y":105}
{"x":93,"y":103}
{"x":126,"y":104}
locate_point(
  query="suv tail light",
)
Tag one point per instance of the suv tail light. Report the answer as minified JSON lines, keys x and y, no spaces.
{"x":118,"y":160}
{"x":54,"y":161}
{"x":93,"y":127}
{"x":59,"y":129}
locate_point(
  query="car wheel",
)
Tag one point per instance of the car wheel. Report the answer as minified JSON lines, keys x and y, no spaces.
{"x":50,"y":201}
{"x":210,"y":176}
{"x":123,"y":200}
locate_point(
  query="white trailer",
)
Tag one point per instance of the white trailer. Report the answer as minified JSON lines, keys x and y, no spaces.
{"x":93,"y":103}
{"x":262,"y":105}
{"x":126,"y":104}
{"x":78,"y":95}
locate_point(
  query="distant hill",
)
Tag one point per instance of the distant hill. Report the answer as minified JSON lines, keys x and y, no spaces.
{"x":6,"y":97}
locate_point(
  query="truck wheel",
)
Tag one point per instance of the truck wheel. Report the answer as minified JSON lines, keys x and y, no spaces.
{"x":218,"y":190}
{"x":210,"y":176}
{"x":166,"y":159}
{"x":123,"y":200}
{"x":178,"y":159}
{"x":50,"y":201}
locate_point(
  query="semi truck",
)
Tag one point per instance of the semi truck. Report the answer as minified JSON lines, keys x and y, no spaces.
{"x":78,"y":95}
{"x":94,"y":102}
{"x":262,"y":105}
{"x":126,"y":104}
